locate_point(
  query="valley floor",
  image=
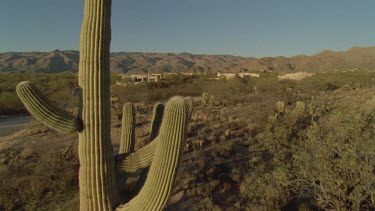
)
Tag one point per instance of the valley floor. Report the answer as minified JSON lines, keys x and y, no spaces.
{"x":272,"y":150}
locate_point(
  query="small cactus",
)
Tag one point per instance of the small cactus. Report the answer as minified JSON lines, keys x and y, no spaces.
{"x":205,"y":98}
{"x":208,"y":100}
{"x":280,"y":107}
{"x":212,"y":100}
{"x":115,"y":102}
{"x":300,"y":105}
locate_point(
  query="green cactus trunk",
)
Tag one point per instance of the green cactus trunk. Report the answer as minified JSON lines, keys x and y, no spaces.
{"x":97,"y":180}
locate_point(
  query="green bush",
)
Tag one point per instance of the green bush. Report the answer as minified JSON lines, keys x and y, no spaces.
{"x":323,"y":153}
{"x":334,"y":160}
{"x":159,"y":91}
{"x":33,"y":181}
{"x":228,"y":92}
{"x":9,"y":102}
{"x":57,"y":87}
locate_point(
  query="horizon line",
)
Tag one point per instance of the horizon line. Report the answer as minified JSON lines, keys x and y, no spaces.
{"x":184,"y":52}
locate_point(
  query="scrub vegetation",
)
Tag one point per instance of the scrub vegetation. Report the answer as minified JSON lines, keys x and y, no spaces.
{"x":253,"y":144}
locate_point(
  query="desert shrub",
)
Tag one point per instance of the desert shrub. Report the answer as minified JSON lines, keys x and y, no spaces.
{"x":334,"y":160}
{"x":266,"y":186}
{"x":228,"y":92}
{"x":159,"y":91}
{"x":205,"y":98}
{"x":333,"y":80}
{"x":9,"y":103}
{"x":208,"y":100}
{"x":322,"y":152}
{"x":33,"y":181}
{"x":115,"y":78}
{"x":57,"y":87}
{"x":268,"y":83}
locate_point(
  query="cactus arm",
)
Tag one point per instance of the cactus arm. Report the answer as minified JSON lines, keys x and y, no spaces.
{"x":190,"y":107}
{"x":157,"y":116}
{"x":127,"y":140}
{"x":127,"y":129}
{"x":158,"y":186}
{"x":43,"y":110}
{"x":142,"y":158}
{"x":156,"y":120}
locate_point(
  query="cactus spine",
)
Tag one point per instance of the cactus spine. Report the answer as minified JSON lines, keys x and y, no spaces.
{"x":97,"y":173}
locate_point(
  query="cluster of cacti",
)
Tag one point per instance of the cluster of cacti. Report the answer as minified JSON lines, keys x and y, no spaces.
{"x":115,"y":102}
{"x":289,"y":116}
{"x":207,"y":99}
{"x":97,"y":174}
{"x":280,"y":106}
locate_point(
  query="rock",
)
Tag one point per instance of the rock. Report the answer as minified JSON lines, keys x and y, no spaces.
{"x":236,"y":178}
{"x":211,"y":172}
{"x":176,"y":197}
{"x":226,"y":187}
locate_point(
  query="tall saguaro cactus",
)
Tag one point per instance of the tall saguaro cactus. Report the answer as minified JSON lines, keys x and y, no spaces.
{"x":97,"y":173}
{"x":98,"y":188}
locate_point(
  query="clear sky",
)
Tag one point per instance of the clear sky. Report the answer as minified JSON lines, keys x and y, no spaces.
{"x":253,"y":28}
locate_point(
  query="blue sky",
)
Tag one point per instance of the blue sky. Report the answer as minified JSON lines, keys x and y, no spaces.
{"x":253,"y":28}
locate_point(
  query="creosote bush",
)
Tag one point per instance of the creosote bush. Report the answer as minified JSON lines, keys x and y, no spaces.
{"x":321,"y":153}
{"x":45,"y":180}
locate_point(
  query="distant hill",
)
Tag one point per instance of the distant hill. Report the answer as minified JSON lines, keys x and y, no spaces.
{"x":128,"y":62}
{"x":39,"y":62}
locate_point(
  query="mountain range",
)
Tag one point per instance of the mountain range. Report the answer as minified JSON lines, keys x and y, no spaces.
{"x":134,"y":62}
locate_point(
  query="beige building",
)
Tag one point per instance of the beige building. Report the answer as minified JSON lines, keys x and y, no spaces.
{"x":248,"y":75}
{"x":233,"y":75}
{"x":226,"y":75}
{"x":143,"y":77}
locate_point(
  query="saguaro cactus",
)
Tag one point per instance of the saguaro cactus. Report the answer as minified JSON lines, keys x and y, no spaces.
{"x":97,"y":176}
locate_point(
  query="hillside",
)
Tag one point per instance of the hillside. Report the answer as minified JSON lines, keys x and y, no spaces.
{"x":133,"y":62}
{"x":356,"y":57}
